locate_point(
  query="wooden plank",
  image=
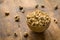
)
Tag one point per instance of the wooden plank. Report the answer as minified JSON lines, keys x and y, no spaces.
{"x":8,"y":26}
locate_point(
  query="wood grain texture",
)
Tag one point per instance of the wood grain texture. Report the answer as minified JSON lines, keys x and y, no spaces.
{"x":8,"y":26}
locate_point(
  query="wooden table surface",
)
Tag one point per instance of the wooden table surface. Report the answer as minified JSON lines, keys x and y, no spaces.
{"x":8,"y":26}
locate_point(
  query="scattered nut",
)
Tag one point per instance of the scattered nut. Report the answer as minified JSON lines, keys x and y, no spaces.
{"x":55,"y":21}
{"x":20,"y":7}
{"x":42,"y":6}
{"x":15,"y":35}
{"x":26,"y":34}
{"x":6,"y":14}
{"x":17,"y":18}
{"x":56,"y":8}
{"x":36,"y":6}
{"x":38,"y":21}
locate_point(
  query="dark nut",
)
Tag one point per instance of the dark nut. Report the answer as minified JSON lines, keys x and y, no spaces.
{"x":26,"y":34}
{"x":20,"y":7}
{"x":55,"y":21}
{"x":56,"y":8}
{"x":17,"y":19}
{"x":42,"y":6}
{"x":15,"y":35}
{"x":36,"y":6}
{"x":6,"y":14}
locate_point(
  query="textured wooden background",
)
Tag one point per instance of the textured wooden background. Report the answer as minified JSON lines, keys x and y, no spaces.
{"x":8,"y":26}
